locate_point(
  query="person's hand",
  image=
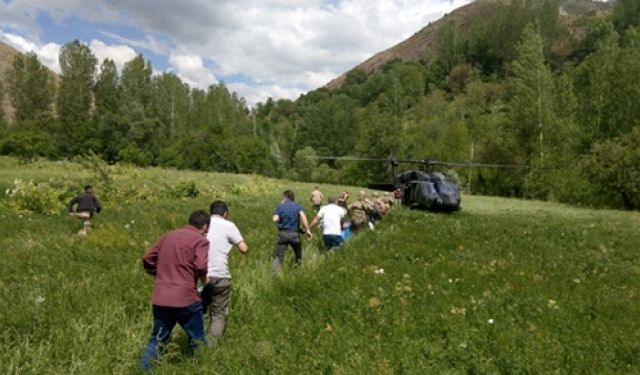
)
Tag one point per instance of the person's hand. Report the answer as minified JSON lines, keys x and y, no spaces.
{"x":309,"y":235}
{"x":70,"y":213}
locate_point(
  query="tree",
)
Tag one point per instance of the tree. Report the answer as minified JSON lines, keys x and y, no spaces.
{"x":107,"y":89}
{"x":170,"y":105}
{"x":626,"y":14}
{"x":450,"y":43}
{"x":78,"y":68}
{"x":531,"y":104}
{"x":136,"y":82}
{"x":1,"y":104}
{"x":30,"y":88}
{"x":614,"y":168}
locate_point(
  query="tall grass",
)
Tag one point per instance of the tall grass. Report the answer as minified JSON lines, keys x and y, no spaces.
{"x":504,"y":286}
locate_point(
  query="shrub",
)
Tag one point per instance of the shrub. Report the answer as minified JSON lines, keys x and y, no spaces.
{"x":41,"y":198}
{"x":184,"y":189}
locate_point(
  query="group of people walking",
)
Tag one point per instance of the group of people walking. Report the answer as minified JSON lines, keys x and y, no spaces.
{"x":190,"y":265}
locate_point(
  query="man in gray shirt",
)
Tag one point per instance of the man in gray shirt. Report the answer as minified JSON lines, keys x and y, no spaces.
{"x":223,"y":235}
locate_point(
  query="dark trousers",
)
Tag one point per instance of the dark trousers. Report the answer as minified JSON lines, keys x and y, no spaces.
{"x":164,"y":319}
{"x":286,"y":238}
{"x":331,"y":241}
{"x":215,"y":299}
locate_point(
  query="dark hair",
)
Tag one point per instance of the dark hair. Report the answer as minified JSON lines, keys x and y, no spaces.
{"x":218,"y":208}
{"x":87,"y":187}
{"x":331,"y":200}
{"x":199,"y":219}
{"x":289,"y":194}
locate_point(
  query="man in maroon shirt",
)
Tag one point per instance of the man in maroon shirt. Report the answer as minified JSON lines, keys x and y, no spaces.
{"x":177,"y":261}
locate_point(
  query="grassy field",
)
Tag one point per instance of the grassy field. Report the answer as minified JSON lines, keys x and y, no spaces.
{"x":504,"y":286}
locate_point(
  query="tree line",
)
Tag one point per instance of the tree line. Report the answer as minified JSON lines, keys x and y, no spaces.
{"x":132,"y":116}
{"x":520,"y":86}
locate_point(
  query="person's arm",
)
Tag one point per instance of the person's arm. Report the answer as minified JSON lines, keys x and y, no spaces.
{"x":305,"y":224}
{"x":235,"y":238}
{"x":97,"y":205}
{"x":72,"y":203}
{"x":315,"y":221}
{"x":150,"y":259}
{"x":243,"y":247}
{"x":201,"y":260}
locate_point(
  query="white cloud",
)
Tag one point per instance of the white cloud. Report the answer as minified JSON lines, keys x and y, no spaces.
{"x":261,"y":92}
{"x":118,"y":53}
{"x":47,"y":53}
{"x":284,"y":46}
{"x":191,"y":70}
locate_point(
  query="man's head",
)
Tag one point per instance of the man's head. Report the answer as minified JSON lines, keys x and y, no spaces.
{"x":316,"y":188}
{"x":219,"y":208}
{"x":376,"y":194}
{"x":362,"y":194}
{"x":288,"y":195}
{"x":88,"y":188}
{"x":331,"y":200}
{"x":200,"y":220}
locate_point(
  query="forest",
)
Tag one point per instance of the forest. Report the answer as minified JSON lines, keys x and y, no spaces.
{"x":525,"y":86}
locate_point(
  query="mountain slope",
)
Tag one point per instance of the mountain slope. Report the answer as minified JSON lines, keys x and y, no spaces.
{"x":7,"y":54}
{"x":424,"y":43}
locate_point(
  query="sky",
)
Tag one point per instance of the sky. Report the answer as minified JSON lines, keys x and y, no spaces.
{"x":258,"y":48}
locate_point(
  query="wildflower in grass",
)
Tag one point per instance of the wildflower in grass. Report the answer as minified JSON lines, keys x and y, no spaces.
{"x":491,"y":321}
{"x":458,"y":311}
{"x":374,"y":302}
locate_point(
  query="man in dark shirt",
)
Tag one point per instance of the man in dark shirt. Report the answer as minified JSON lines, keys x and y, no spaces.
{"x":83,"y":206}
{"x":287,"y":217}
{"x":177,"y":261}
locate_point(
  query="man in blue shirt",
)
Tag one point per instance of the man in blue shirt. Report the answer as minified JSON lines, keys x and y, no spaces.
{"x":287,"y":217}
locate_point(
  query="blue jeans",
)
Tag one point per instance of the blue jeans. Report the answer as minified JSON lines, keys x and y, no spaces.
{"x":332,"y":241}
{"x":164,"y":319}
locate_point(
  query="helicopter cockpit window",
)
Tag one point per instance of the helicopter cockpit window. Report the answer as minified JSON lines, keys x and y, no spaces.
{"x":429,"y":188}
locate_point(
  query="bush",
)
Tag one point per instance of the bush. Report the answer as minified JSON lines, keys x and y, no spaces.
{"x":184,"y":189}
{"x":614,"y":168}
{"x":41,"y":198}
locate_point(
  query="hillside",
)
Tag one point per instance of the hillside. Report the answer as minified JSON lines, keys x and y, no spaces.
{"x":424,"y":43}
{"x":7,"y":53}
{"x":505,"y":286}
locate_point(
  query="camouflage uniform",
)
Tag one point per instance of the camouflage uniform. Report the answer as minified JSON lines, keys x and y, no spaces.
{"x":360,"y":211}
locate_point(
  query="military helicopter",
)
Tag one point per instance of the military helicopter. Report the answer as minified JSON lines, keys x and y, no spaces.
{"x":425,"y":188}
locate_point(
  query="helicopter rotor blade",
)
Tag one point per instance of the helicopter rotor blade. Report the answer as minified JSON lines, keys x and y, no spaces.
{"x":347,"y":158}
{"x":428,"y":162}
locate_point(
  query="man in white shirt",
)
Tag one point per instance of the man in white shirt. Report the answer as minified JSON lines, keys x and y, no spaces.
{"x":223,"y":235}
{"x":330,"y":217}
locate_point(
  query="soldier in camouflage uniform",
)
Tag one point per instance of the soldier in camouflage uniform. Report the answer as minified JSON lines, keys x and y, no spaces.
{"x":360,"y":210}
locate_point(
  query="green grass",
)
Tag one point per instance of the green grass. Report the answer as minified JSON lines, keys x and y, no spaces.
{"x":559,"y":283}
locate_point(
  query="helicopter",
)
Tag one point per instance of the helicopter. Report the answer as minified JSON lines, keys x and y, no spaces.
{"x":424,"y":188}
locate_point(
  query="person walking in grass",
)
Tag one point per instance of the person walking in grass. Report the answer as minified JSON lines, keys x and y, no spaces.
{"x":223,"y":236}
{"x":83,"y":207}
{"x":330,"y":217}
{"x":316,"y":199}
{"x":177,"y":261}
{"x":287,"y":217}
